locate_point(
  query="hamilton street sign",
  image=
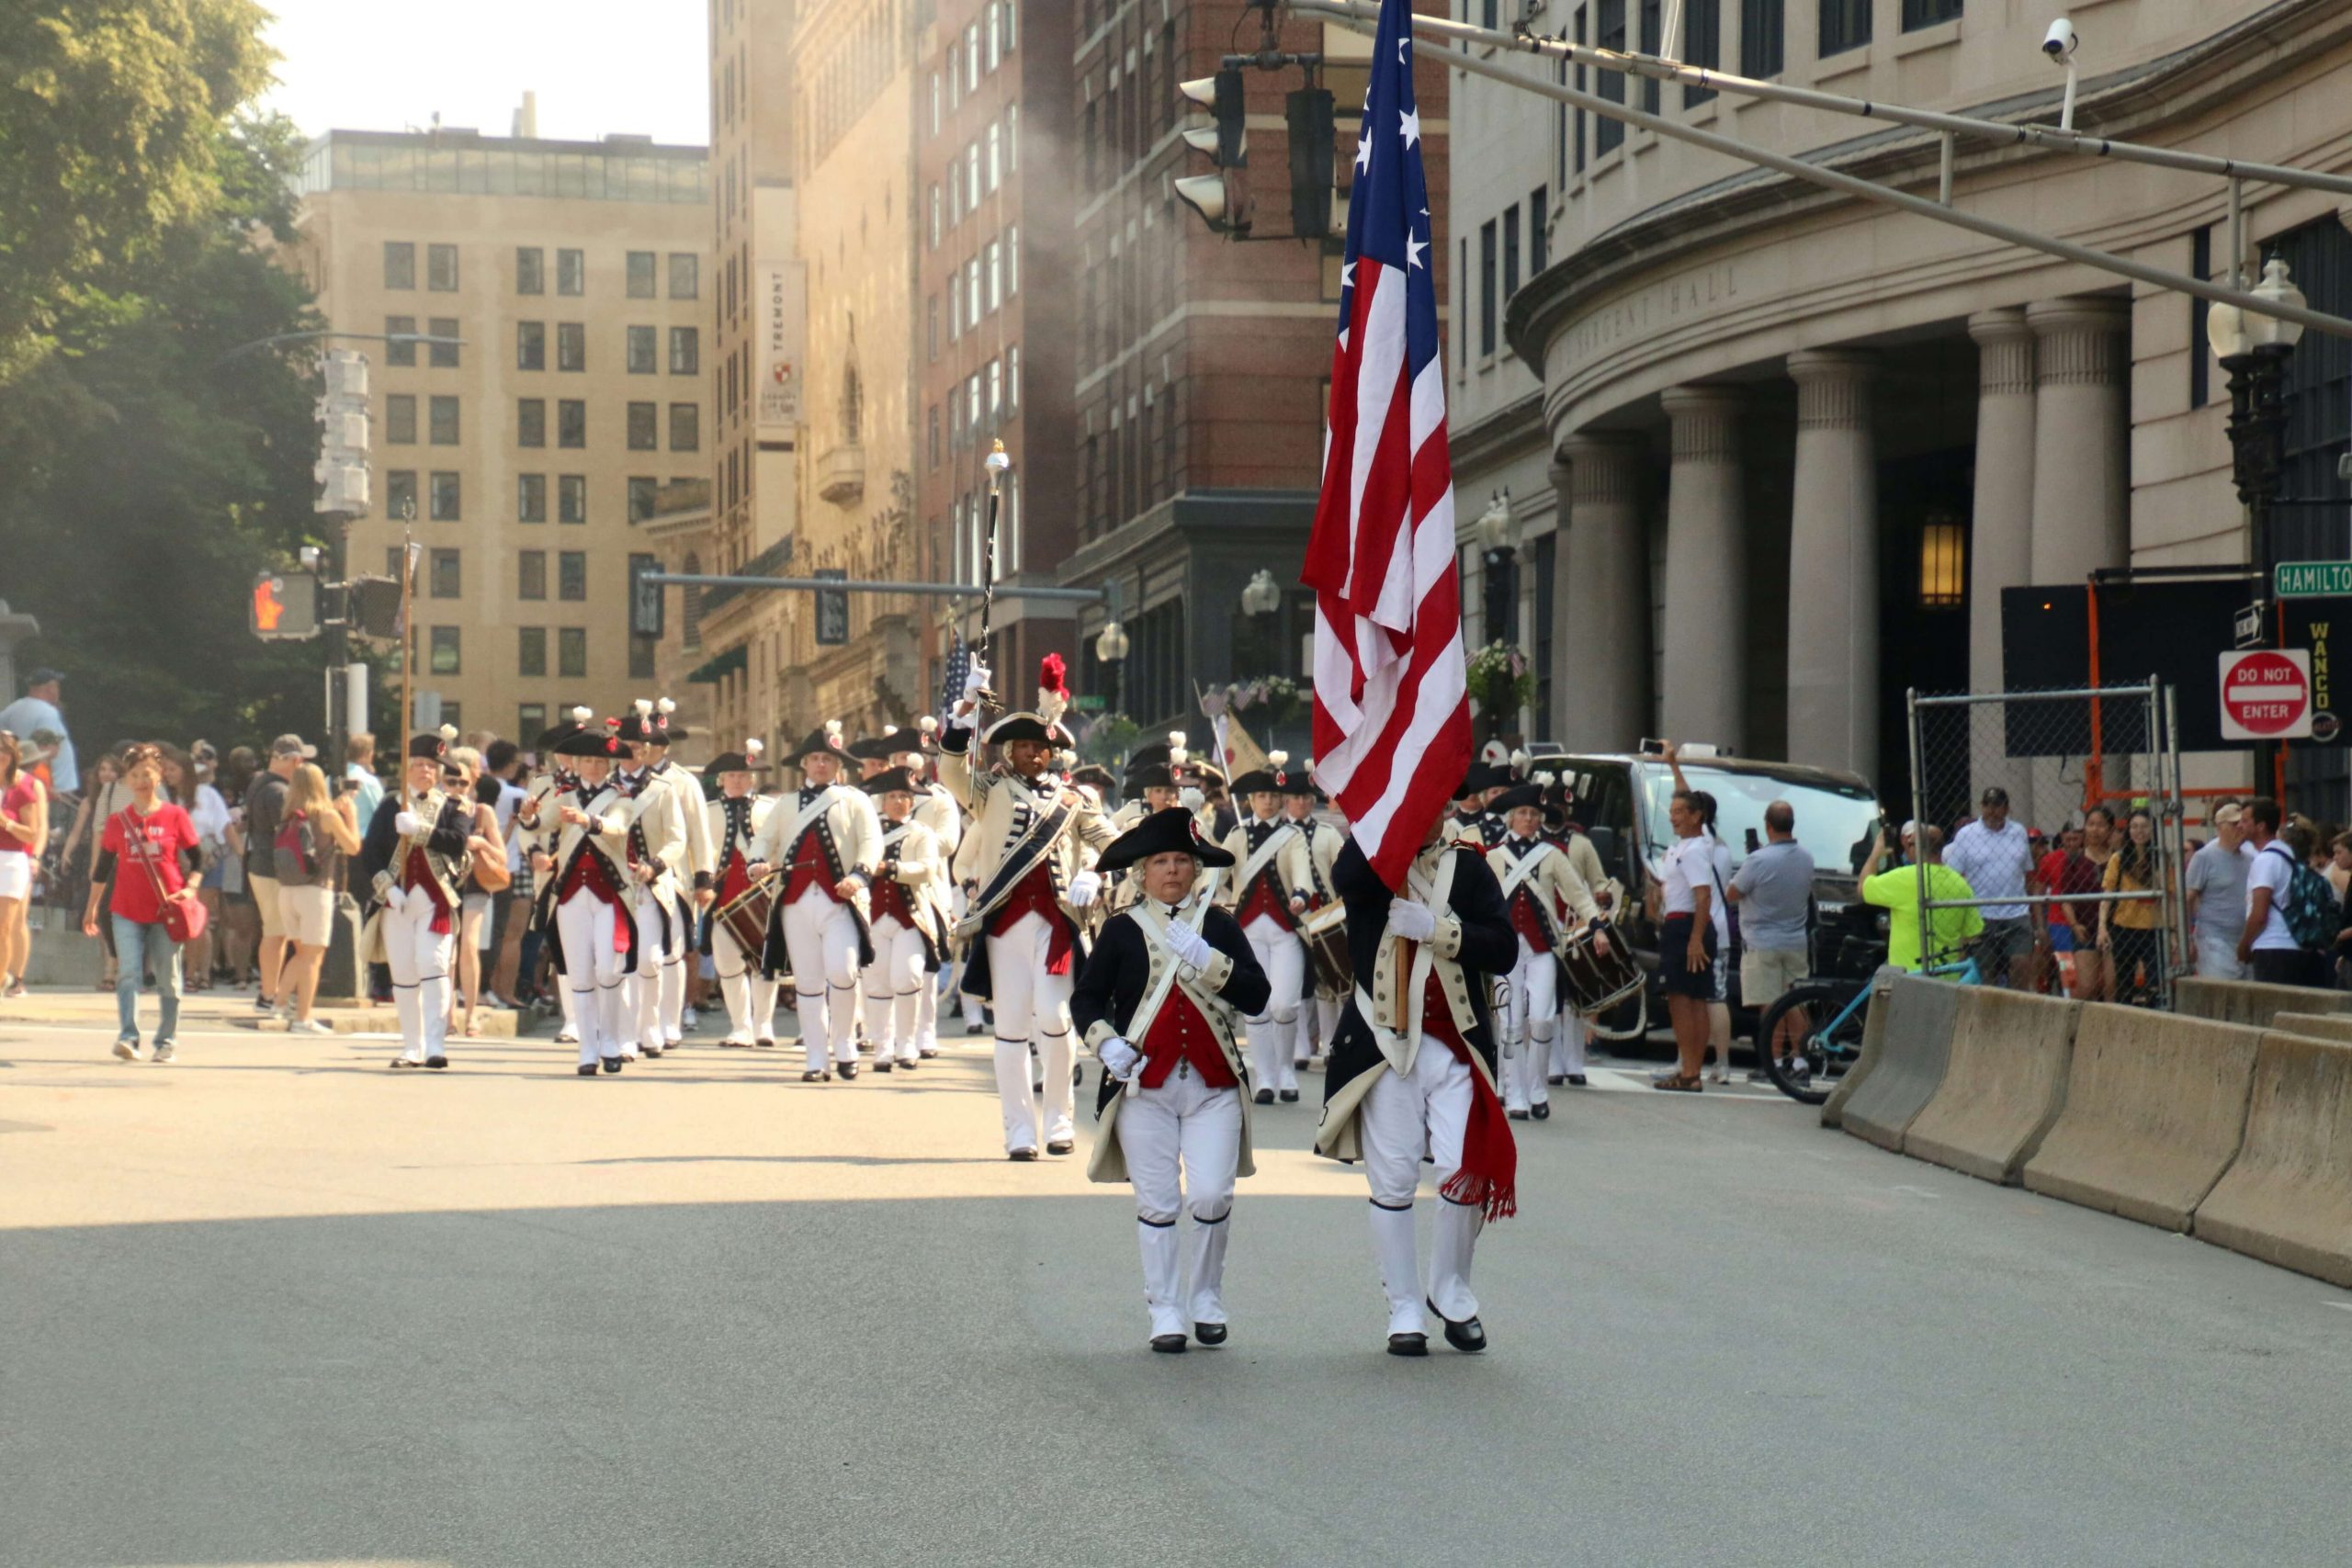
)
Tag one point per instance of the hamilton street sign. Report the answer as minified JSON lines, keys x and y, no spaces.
{"x":2311,"y":579}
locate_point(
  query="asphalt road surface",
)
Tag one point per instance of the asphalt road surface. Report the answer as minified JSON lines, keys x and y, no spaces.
{"x":278,"y":1304}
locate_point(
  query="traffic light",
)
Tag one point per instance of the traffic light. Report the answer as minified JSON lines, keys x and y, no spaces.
{"x":285,"y":606}
{"x":342,"y":467}
{"x":1227,"y":143}
{"x":1309,"y":112}
{"x":373,"y":605}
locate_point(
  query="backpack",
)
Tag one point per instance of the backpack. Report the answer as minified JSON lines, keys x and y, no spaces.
{"x":291,"y":852}
{"x":2309,"y":906}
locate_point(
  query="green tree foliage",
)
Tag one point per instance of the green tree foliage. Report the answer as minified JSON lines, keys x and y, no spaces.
{"x":145,"y":476}
{"x":110,"y":113}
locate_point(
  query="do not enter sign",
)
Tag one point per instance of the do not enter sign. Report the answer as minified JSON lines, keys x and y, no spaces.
{"x":2267,"y":694}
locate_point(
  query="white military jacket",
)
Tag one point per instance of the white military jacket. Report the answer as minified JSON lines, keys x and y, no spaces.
{"x":743,"y":840}
{"x":1288,"y":858}
{"x":657,"y":827}
{"x":910,"y":857}
{"x":1543,"y":869}
{"x":1003,"y":807}
{"x":846,"y":817}
{"x":699,"y":865}
{"x":605,"y":833}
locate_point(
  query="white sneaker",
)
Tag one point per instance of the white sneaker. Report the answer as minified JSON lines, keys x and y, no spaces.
{"x":309,"y":1026}
{"x":129,"y":1050}
{"x":166,"y":1052}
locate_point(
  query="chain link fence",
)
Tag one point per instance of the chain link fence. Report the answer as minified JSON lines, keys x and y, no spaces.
{"x":2070,"y":903}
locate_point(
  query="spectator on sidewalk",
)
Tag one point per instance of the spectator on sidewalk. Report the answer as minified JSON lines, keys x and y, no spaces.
{"x":2215,"y":888}
{"x":359,"y":767}
{"x":210,"y":812}
{"x":2268,"y":945}
{"x":147,"y":856}
{"x":2127,"y":929}
{"x":264,"y":804}
{"x":1773,"y":889}
{"x":1897,"y":892}
{"x":37,"y":711}
{"x":24,"y":835}
{"x":310,"y":877}
{"x":1995,"y":856}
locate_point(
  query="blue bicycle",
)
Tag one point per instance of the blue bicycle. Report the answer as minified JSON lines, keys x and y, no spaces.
{"x":1808,"y":1039}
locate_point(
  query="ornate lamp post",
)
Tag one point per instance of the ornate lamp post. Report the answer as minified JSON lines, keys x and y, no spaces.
{"x":1110,"y":648}
{"x":1497,"y":529}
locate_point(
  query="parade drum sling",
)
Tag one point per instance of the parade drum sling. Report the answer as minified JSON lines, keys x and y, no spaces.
{"x":745,"y":916}
{"x":1592,"y":982}
{"x":1326,"y":931}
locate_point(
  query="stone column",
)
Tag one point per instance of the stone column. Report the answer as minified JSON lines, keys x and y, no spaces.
{"x":1706,"y":570}
{"x":2082,"y":485}
{"x":1602,"y":594}
{"x":1833,"y":565}
{"x":2000,"y":534}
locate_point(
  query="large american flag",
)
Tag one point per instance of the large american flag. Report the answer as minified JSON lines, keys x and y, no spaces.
{"x":1392,"y":707}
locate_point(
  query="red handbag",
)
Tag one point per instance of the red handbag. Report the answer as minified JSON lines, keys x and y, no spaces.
{"x":183,"y":921}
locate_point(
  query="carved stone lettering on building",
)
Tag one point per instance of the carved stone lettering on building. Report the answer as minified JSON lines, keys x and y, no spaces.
{"x":1674,"y":302}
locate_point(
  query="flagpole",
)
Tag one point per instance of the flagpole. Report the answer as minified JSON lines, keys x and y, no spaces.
{"x":408,"y":633}
{"x":996,"y":463}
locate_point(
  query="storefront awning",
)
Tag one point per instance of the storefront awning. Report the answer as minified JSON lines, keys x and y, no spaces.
{"x":709,"y":673}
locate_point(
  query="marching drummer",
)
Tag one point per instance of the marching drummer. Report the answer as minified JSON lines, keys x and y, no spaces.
{"x":735,"y":821}
{"x":909,"y":923}
{"x":1323,"y":841}
{"x":824,"y":839}
{"x":660,"y":865}
{"x":1268,"y":896}
{"x":1543,"y":893}
{"x":589,"y":869}
{"x":1561,"y":828}
{"x":935,"y":809}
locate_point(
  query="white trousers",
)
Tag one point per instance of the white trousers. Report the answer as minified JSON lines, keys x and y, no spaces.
{"x":820,"y":938}
{"x":749,"y":993}
{"x":1326,"y":1024}
{"x":661,"y":966}
{"x":592,"y":974}
{"x":1031,"y":1006}
{"x":1283,"y":958}
{"x":894,"y":988}
{"x":927,"y":1011}
{"x":1530,"y":1020}
{"x":1404,"y":1120}
{"x":421,"y":960}
{"x":1182,"y":1135}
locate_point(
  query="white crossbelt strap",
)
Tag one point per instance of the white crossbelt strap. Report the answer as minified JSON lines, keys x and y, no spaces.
{"x":1155,"y":927}
{"x":1524,"y":867}
{"x":1263,"y":854}
{"x":809,"y":814}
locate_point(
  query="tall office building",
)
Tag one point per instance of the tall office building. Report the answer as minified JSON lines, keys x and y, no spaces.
{"x":525,"y":456}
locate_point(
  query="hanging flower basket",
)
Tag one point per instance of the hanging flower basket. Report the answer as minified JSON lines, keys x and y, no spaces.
{"x":1500,"y":680}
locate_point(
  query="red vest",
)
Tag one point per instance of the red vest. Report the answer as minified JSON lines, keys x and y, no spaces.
{"x":1527,"y":919}
{"x":1264,"y":899}
{"x":1034,"y":895}
{"x":416,"y":874}
{"x":808,"y":868}
{"x":891,"y":898}
{"x":1178,"y":1033}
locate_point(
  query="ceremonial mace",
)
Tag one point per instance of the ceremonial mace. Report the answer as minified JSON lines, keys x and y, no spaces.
{"x":996,"y":463}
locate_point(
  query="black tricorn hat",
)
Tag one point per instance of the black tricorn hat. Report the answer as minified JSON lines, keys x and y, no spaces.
{"x":1162,"y":832}
{"x":555,"y":735}
{"x":1301,"y":780}
{"x":587,"y":742}
{"x":1151,"y":776}
{"x":825,"y":738}
{"x":431,"y":746}
{"x":1517,"y":796}
{"x":1093,"y":773}
{"x":872,"y":749}
{"x":1146,"y":756}
{"x":1256,"y":781}
{"x":1027,"y":727}
{"x":751,"y":759}
{"x":891,"y":779}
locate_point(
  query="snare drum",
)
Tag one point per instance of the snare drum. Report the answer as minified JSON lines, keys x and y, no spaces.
{"x":1592,"y":982}
{"x":745,"y":916}
{"x":1326,"y":932}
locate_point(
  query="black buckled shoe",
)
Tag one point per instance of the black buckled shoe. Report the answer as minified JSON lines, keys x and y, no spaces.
{"x":1167,"y":1344}
{"x":1264,"y":1097}
{"x":1541,"y":1110}
{"x":1408,"y":1344}
{"x":612,"y":1064}
{"x":587,"y":1069}
{"x":1555,"y":1079}
{"x":816,"y":1078}
{"x":883,"y":1066}
{"x":1469,"y":1336}
{"x":652,"y":1053}
{"x":1023,"y":1154}
{"x":764,"y":1043}
{"x":1575,"y":1081}
{"x":1209,"y":1333}
{"x":437,"y":1062}
{"x":1516,"y":1115}
{"x":1060,"y":1147}
{"x":1290,"y":1096}
{"x":848,"y":1070}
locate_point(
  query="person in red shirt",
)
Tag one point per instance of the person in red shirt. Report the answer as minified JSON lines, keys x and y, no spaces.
{"x":1158,"y":1000}
{"x":148,"y":853}
{"x":24,"y":833}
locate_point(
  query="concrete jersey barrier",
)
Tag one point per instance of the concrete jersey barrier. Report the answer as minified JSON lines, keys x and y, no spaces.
{"x":2287,"y":1199}
{"x":2315,"y":1026}
{"x":1833,"y":1110}
{"x":2247,"y":1001}
{"x":1902,"y":1074}
{"x":2005,"y":1087}
{"x":2154,"y":1112}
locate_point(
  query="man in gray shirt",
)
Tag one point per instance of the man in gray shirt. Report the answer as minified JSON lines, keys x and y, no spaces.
{"x":2215,"y":888}
{"x":1773,"y":889}
{"x":1996,"y":857}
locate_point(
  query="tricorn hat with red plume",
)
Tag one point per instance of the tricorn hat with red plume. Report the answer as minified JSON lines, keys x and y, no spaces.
{"x":1045,"y":722}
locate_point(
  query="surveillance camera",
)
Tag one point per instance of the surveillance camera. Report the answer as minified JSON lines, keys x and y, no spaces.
{"x":2061,"y":41}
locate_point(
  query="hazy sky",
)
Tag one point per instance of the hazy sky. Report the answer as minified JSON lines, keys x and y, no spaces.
{"x":597,"y":66}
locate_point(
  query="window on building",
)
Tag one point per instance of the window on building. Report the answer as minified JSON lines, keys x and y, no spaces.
{"x":445,"y":354}
{"x":1763,"y":37}
{"x":530,"y":345}
{"x":643,"y":420}
{"x":446,"y":497}
{"x":1539,"y":225}
{"x":972,"y":174}
{"x":1845,"y":23}
{"x":571,"y":423}
{"x":2318,"y":406}
{"x":643,"y":356}
{"x":1012,"y":261}
{"x":400,"y":419}
{"x":400,"y":264}
{"x":685,"y":427}
{"x":530,"y":270}
{"x":954,"y":79}
{"x":972,"y":312}
{"x":1011,"y":135}
{"x":934,"y":216}
{"x":531,"y":653}
{"x":1510,"y":253}
{"x":995,"y":274}
{"x":1609,"y":134}
{"x":931,"y":328}
{"x":640,"y":658}
{"x":1578,"y":34}
{"x":572,"y":498}
{"x":444,"y":574}
{"x":441,"y":269}
{"x":996,"y":391}
{"x":531,"y":718}
{"x":686,"y":275}
{"x":1703,"y":44}
{"x":572,"y":574}
{"x":934,"y":102}
{"x":954,"y":306}
{"x":445,"y":655}
{"x":571,"y":345}
{"x":399,"y":493}
{"x":530,"y":497}
{"x":686,"y":350}
{"x":640,"y":275}
{"x":530,"y":422}
{"x":641,"y":492}
{"x":571,"y":272}
{"x":531,"y":574}
{"x":972,"y":57}
{"x":401,"y":353}
{"x":1944,"y":565}
{"x":1546,"y":559}
{"x":930,"y":432}
{"x":1928,"y":13}
{"x":571,"y":652}
{"x":1486,"y":289}
{"x":1012,"y":378}
{"x":1650,"y":34}
{"x":993,"y":166}
{"x":443,"y":415}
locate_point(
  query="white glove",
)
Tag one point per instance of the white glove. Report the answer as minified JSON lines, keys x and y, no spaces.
{"x":1191,"y":799}
{"x":406,"y":824}
{"x":1188,"y":944}
{"x":1083,"y":888}
{"x":1119,"y":1059}
{"x":1410,"y":920}
{"x":976,"y":680}
{"x":395,"y":896}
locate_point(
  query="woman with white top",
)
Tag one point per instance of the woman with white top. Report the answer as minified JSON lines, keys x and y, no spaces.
{"x":1681,"y":899}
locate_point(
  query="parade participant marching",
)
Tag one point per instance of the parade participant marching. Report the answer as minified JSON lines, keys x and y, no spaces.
{"x":909,"y":923}
{"x":662,"y":733}
{"x":536,"y":822}
{"x":1033,"y":837}
{"x":587,"y":868}
{"x":1473,"y":819}
{"x":1542,"y":890}
{"x":1150,"y":788}
{"x":1156,"y":1002}
{"x":1268,"y":896}
{"x":1560,"y":827}
{"x":1323,"y":841}
{"x":825,"y":839}
{"x":657,"y":860}
{"x":423,"y":848}
{"x":733,"y":824}
{"x":1412,"y":1074}
{"x":935,"y":808}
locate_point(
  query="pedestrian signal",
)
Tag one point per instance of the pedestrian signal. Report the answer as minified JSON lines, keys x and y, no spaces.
{"x":285,"y":606}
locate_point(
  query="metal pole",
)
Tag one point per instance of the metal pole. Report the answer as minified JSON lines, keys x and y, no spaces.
{"x":408,"y":632}
{"x":997,"y":462}
{"x":1918,"y":814}
{"x":870,"y":585}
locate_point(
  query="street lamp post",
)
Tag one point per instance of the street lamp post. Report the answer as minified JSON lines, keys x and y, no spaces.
{"x":1498,"y":530}
{"x":1111,"y":649}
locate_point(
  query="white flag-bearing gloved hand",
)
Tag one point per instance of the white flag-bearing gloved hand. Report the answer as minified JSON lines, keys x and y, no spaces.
{"x":1188,"y":944}
{"x":976,"y":680}
{"x":406,"y":824}
{"x":1083,"y":888}
{"x":1412,"y":921}
{"x":1119,"y":1059}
